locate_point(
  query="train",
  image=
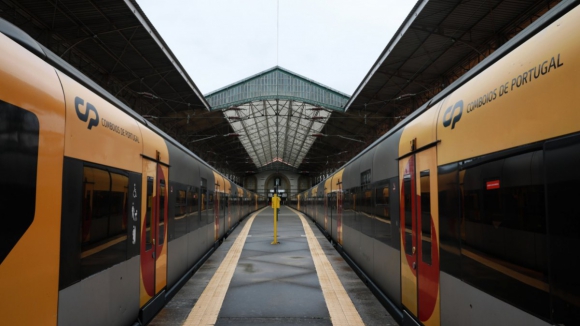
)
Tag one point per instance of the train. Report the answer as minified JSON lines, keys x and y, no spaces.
{"x":115,"y":214}
{"x":465,"y":212}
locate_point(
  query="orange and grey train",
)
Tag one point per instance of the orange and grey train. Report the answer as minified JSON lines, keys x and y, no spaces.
{"x":103,"y":215}
{"x":467,"y":213}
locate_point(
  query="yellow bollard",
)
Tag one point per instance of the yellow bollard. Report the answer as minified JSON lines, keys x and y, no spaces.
{"x":275,"y":206}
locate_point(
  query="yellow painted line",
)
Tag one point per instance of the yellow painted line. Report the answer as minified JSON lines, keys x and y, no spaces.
{"x":341,"y":309}
{"x":207,"y":307}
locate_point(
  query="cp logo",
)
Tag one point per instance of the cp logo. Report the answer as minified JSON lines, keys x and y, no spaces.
{"x":450,"y":115}
{"x":93,"y":122}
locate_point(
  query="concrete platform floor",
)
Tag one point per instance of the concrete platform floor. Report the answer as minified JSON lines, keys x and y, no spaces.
{"x":275,"y":284}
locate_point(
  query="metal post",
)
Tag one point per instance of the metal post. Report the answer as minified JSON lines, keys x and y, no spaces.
{"x":275,"y":206}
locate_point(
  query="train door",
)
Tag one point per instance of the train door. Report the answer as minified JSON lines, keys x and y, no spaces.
{"x":332,"y":214}
{"x":153,"y":230}
{"x":326,"y":211}
{"x":339,"y":196}
{"x":229,"y":214}
{"x":224,"y":210}
{"x":216,"y":215}
{"x":419,"y":236}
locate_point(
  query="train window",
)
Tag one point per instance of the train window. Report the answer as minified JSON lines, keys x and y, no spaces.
{"x":407,"y":201}
{"x":162,"y":214}
{"x":149,"y":215}
{"x":210,"y":207}
{"x":179,"y":222}
{"x":382,"y":196}
{"x":368,"y":202}
{"x":180,"y":204}
{"x":426,"y":216}
{"x":118,"y":215}
{"x":203,"y":194}
{"x":562,"y":178}
{"x":103,"y":219}
{"x":99,"y":208}
{"x":503,"y":234}
{"x":19,"y":134}
{"x":193,"y":200}
{"x":449,"y":218}
{"x":382,"y":225}
{"x":359,"y":200}
{"x":193,"y":207}
{"x":365,"y":178}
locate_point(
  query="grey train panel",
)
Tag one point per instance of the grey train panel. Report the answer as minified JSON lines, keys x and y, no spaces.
{"x":367,"y":223}
{"x":355,"y":248}
{"x":183,"y":168}
{"x":462,"y":304}
{"x":385,"y":163}
{"x":350,"y":171}
{"x":366,"y":162}
{"x":350,"y":240}
{"x":206,"y":173}
{"x":176,"y":262}
{"x":387,"y":270}
{"x":207,"y":235}
{"x":195,"y":247}
{"x":366,"y":254}
{"x":83,"y":304}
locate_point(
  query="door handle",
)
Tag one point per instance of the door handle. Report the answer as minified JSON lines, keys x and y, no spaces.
{"x":153,"y":254}
{"x":414,"y":265}
{"x":414,"y":249}
{"x":153,"y":240}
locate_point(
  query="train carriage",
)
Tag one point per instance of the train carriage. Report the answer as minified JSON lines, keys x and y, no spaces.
{"x":105,"y":215}
{"x":464,"y":213}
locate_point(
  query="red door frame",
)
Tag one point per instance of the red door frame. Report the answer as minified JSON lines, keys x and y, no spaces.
{"x":426,"y":276}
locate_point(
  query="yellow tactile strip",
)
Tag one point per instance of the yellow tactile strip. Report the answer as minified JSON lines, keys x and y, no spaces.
{"x":341,"y":309}
{"x":207,"y":308}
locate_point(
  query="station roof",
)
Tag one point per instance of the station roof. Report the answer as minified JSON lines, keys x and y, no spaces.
{"x":113,"y":43}
{"x":275,"y":113}
{"x":277,"y":83}
{"x":436,"y":39}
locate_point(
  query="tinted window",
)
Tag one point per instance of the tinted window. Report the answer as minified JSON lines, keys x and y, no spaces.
{"x":503,"y":235}
{"x":149,"y":215}
{"x":179,"y":224}
{"x":365,"y":178}
{"x":408,"y":202}
{"x":426,"y":216}
{"x":100,"y":219}
{"x":192,"y":203}
{"x":19,"y":135}
{"x":449,"y":218}
{"x":162,"y":215}
{"x":104,"y":219}
{"x":563,"y":193}
{"x":383,"y":227}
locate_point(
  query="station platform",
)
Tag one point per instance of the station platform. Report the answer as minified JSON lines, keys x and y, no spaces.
{"x":302,"y":280}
